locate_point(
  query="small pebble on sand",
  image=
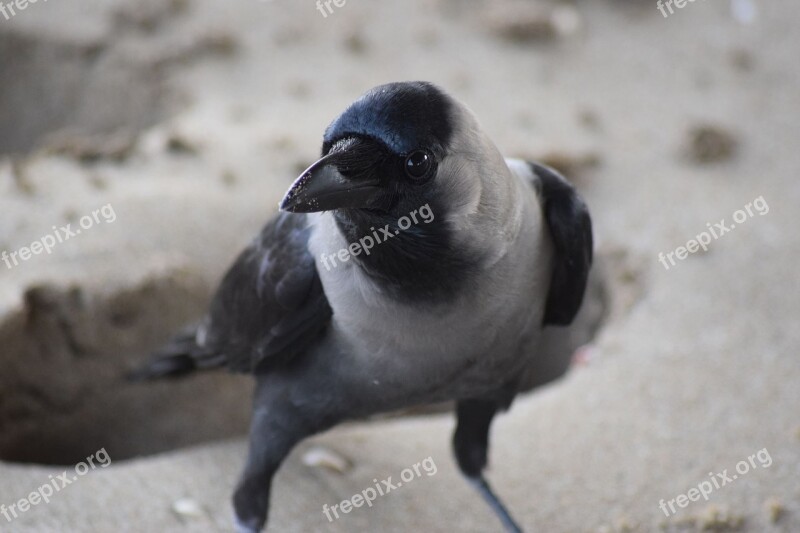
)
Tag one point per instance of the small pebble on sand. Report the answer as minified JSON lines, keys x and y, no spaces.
{"x":187,"y":508}
{"x":711,"y":144}
{"x":319,"y":456}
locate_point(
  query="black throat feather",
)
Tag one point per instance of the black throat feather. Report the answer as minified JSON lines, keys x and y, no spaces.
{"x":418,"y":264}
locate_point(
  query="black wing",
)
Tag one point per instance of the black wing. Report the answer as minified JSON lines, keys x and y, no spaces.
{"x":570,"y":226}
{"x":269,"y":308}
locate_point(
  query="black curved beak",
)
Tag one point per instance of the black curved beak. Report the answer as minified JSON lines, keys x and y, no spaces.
{"x":347,"y":177}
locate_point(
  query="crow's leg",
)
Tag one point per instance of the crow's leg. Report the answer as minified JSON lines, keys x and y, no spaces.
{"x":471,"y":445}
{"x":276,"y":427}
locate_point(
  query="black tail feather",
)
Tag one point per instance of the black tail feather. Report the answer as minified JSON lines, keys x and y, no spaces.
{"x":178,"y":358}
{"x":169,"y":366}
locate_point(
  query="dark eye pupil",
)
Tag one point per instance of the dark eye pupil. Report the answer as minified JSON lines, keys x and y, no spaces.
{"x":417,"y":164}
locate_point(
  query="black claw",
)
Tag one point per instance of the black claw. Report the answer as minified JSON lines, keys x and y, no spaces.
{"x":497,"y":506}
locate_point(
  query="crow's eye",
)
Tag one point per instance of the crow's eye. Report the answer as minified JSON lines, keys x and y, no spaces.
{"x":419,"y":164}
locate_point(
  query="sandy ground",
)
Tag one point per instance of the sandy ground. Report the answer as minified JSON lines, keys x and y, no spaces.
{"x":190,"y":119}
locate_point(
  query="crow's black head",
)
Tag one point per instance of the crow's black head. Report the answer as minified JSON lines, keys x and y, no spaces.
{"x":380,"y":155}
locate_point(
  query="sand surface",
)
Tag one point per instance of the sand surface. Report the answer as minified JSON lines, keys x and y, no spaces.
{"x":190,"y":118}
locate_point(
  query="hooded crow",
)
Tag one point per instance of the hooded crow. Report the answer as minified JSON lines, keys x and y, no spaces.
{"x":347,"y":304}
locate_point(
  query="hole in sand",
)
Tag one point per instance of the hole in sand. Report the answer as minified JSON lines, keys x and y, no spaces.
{"x":62,"y":395}
{"x":62,"y":392}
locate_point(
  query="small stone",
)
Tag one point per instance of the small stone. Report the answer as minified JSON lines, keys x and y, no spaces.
{"x":711,"y":144}
{"x":589,"y":119}
{"x":319,"y":456}
{"x":775,"y":509}
{"x":623,"y":525}
{"x":717,"y":519}
{"x":524,"y":23}
{"x":98,"y":182}
{"x":219,"y":43}
{"x":524,"y":26}
{"x":178,"y":144}
{"x":521,"y":31}
{"x":355,"y":43}
{"x":188,"y":508}
{"x":229,"y":178}
{"x":742,"y":60}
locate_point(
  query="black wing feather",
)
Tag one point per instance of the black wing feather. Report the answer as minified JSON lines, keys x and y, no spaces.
{"x":570,"y":226}
{"x":269,"y":308}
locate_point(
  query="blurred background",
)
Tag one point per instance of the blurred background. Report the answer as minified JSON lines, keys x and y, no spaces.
{"x":164,"y":133}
